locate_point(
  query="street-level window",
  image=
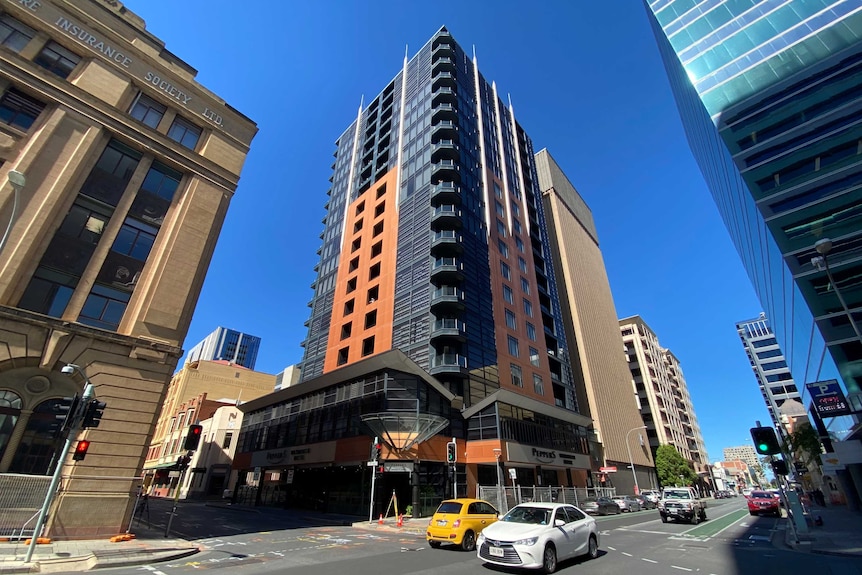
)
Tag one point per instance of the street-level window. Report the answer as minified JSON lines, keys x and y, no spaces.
{"x":185,"y":133}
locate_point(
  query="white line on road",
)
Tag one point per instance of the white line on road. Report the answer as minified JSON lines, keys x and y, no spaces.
{"x":611,"y":548}
{"x":643,"y":531}
{"x":627,"y":554}
{"x":153,"y":570}
{"x":648,"y":560}
{"x":681,"y":568}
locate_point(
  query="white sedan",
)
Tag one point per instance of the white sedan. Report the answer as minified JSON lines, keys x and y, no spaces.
{"x":537,"y":535}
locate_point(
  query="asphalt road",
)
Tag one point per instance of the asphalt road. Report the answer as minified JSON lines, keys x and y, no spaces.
{"x":251,"y":543}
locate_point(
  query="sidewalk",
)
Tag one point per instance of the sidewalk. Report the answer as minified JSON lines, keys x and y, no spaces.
{"x":840,"y":533}
{"x":148,"y":546}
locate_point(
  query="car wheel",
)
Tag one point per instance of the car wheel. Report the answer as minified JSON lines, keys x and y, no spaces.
{"x":752,"y":513}
{"x":434,"y":544}
{"x":593,"y":547}
{"x":549,"y":559}
{"x":703,"y":515}
{"x":695,"y":518}
{"x":468,"y":543}
{"x":664,"y":518}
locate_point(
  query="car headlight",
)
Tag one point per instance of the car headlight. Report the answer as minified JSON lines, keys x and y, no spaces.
{"x":529,"y":541}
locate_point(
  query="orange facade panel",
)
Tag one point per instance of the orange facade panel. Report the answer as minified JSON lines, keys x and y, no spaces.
{"x":364,"y":303}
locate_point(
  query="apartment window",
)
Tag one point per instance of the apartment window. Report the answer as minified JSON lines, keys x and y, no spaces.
{"x":342,"y":356}
{"x":351,"y":285}
{"x":501,"y":229}
{"x":371,"y":319}
{"x":508,"y":294}
{"x":135,"y":239}
{"x":368,"y":346}
{"x":538,"y":384}
{"x":517,"y":375}
{"x":14,"y":34}
{"x":378,"y":211}
{"x":505,"y":270}
{"x":519,"y":243}
{"x":381,"y":191}
{"x":357,"y":243}
{"x":498,"y":208}
{"x":376,"y":249}
{"x":498,"y":191}
{"x":173,"y":424}
{"x":184,"y":133}
{"x":511,"y":322}
{"x":514,"y":350}
{"x":360,"y":207}
{"x":348,"y":307}
{"x":357,"y":226}
{"x":516,"y":226}
{"x":516,"y":209}
{"x":19,"y":110}
{"x":534,"y":356}
{"x":531,"y":331}
{"x":528,"y":308}
{"x":377,"y":230}
{"x":522,"y":264}
{"x":354,"y":264}
{"x":525,"y":286}
{"x":57,"y":59}
{"x":104,"y":307}
{"x":346,"y":330}
{"x":504,"y":249}
{"x":373,"y":294}
{"x":153,"y":200}
{"x":374,"y":271}
{"x":228,"y":438}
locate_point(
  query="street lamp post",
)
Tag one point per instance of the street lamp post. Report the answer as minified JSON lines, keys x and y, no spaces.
{"x":631,"y":461}
{"x":17,"y":180}
{"x":498,"y":453}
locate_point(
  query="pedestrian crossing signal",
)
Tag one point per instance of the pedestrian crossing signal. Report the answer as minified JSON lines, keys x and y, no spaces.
{"x":451,"y":452}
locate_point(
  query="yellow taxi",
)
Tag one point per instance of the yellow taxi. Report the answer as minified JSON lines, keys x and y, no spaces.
{"x":460,"y":521}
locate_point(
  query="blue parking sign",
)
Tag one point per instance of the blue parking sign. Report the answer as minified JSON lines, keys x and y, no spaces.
{"x":828,"y":398}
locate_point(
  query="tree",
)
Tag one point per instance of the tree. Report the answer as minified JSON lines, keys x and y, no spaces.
{"x":672,"y":469}
{"x":805,"y":443}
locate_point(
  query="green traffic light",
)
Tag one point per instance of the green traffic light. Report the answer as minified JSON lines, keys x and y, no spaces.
{"x":763,"y":447}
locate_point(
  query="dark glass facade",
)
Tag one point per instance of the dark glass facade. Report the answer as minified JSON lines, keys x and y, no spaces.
{"x":769,"y":98}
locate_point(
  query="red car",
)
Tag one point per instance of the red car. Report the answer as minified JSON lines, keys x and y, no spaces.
{"x":763,"y":503}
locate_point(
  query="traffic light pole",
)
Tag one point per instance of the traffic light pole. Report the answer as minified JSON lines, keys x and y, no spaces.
{"x":176,"y":497}
{"x":89,"y":393}
{"x":373,"y":465}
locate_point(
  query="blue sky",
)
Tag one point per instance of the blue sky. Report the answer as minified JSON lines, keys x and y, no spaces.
{"x":586,"y":82}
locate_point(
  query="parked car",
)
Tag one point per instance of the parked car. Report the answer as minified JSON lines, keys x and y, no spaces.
{"x":460,"y":521}
{"x":645,"y":502}
{"x":652,"y":495}
{"x":627,"y":502}
{"x":537,"y":535}
{"x":763,"y":503}
{"x":601,"y":506}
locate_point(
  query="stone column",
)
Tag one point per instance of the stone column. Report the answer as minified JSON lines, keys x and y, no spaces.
{"x":15,"y":439}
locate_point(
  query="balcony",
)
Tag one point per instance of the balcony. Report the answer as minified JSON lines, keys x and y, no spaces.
{"x":448,"y":363}
{"x":445,"y":170}
{"x":444,"y":95}
{"x":441,"y":79}
{"x":446,"y":216}
{"x":444,"y":150}
{"x":444,"y":49}
{"x":445,"y":193}
{"x":446,"y":242}
{"x":444,"y":112}
{"x":446,"y":270}
{"x":446,"y":297}
{"x":444,"y":129}
{"x":449,"y":328}
{"x":443,"y":64}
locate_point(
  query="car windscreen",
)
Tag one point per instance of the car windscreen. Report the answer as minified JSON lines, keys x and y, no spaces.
{"x":449,"y":507}
{"x":532,"y":515}
{"x":681,"y":494}
{"x":760,"y":495}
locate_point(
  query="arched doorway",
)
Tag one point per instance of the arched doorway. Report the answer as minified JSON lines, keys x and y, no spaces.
{"x":38,"y":447}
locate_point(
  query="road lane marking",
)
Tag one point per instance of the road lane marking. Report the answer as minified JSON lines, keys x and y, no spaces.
{"x":611,"y":548}
{"x":643,"y":531}
{"x":681,"y":568}
{"x":648,"y":560}
{"x":627,"y":554}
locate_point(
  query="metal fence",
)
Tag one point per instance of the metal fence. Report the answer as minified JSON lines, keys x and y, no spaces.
{"x":504,"y":498}
{"x":21,"y":498}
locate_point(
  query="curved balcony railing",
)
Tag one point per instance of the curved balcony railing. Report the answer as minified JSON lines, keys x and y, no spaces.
{"x":448,"y":363}
{"x":444,"y":296}
{"x":445,"y":193}
{"x":449,"y":327}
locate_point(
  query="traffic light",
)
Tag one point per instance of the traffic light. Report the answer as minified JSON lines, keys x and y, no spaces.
{"x":376,"y":450}
{"x":765,"y":441}
{"x":93,"y":412}
{"x":779,"y":467}
{"x":64,"y":413}
{"x":193,"y":437}
{"x":183,"y":462}
{"x":451,"y":452}
{"x":81,"y":450}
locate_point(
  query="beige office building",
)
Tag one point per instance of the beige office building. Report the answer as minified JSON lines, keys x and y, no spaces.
{"x":662,"y":393}
{"x":602,"y":379}
{"x":116,"y":172}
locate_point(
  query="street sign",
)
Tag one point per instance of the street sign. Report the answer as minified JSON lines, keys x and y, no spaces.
{"x":289,"y":479}
{"x":611,"y":469}
{"x":828,"y":398}
{"x":513,"y":474}
{"x":398,"y":466}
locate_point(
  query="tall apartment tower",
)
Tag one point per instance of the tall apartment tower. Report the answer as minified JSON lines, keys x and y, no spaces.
{"x":744,"y":453}
{"x":662,"y":393}
{"x":602,"y":379}
{"x":768,"y":93}
{"x":435,"y":240}
{"x":227,"y":345}
{"x":120,"y":170}
{"x":770,"y":369}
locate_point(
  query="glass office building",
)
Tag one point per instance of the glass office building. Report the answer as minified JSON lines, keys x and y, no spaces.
{"x":227,"y":345}
{"x":770,"y":95}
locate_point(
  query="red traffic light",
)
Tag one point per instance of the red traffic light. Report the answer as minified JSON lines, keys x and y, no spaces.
{"x":193,"y":437}
{"x":81,"y":450}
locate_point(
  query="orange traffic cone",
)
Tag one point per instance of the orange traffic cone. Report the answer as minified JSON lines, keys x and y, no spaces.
{"x":380,"y":521}
{"x":400,"y":522}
